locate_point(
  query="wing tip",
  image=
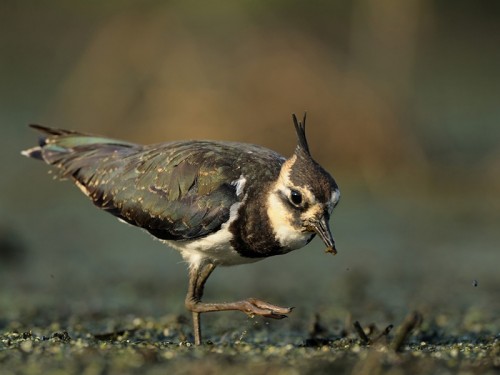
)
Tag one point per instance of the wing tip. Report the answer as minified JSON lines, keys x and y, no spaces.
{"x":50,"y":131}
{"x":34,"y":153}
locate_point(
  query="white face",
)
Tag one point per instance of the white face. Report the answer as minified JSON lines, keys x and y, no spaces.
{"x":292,"y":209}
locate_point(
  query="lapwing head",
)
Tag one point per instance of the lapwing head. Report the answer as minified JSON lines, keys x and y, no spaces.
{"x":301,"y":201}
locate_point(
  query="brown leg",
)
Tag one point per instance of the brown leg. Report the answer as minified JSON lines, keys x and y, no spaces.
{"x":197,"y":278}
{"x":251,"y":306}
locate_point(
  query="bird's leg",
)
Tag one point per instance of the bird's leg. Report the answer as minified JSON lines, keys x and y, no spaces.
{"x":198,"y":275}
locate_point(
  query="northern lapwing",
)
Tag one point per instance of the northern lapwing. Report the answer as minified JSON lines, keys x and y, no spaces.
{"x":218,"y":203}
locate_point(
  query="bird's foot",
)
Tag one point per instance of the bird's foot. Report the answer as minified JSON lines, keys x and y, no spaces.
{"x":250,"y":306}
{"x":253,"y":306}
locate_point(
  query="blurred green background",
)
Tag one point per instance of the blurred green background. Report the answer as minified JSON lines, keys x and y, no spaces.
{"x":403,"y":101}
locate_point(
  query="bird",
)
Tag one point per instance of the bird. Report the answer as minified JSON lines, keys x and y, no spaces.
{"x":218,"y":203}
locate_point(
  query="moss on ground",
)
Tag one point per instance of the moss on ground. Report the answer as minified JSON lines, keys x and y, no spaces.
{"x":134,"y":345}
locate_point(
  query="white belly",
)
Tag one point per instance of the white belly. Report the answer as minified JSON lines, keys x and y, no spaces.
{"x":215,"y":247}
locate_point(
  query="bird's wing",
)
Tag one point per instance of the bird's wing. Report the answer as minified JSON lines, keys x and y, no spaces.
{"x":176,"y":191}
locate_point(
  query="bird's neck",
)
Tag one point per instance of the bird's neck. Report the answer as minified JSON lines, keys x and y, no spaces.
{"x":253,"y":235}
{"x":263,"y":228}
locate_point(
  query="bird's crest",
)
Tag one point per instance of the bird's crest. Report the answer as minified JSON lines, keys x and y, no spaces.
{"x":300,"y":128}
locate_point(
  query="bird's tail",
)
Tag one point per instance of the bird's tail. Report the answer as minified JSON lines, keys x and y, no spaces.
{"x":56,"y":142}
{"x":68,"y":149}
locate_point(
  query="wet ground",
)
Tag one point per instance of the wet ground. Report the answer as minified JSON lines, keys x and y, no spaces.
{"x":104,"y":344}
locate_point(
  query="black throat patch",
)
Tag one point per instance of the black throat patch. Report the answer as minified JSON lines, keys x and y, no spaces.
{"x":253,"y":236}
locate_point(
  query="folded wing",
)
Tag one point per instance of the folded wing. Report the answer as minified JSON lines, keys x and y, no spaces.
{"x":175,"y":191}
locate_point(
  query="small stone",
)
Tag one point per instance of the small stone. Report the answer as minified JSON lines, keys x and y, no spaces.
{"x":27,"y":346}
{"x":137,"y":322}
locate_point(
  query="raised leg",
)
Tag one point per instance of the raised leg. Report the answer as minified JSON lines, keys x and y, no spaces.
{"x":251,"y":306}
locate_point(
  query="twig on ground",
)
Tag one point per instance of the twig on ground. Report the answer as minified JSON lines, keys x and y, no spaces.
{"x":384,"y":333}
{"x":411,"y":321}
{"x":361,"y":333}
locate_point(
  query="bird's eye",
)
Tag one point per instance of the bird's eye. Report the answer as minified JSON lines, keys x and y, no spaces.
{"x":296,"y":197}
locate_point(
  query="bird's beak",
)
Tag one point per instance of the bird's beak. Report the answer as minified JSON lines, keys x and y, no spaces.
{"x":322,"y":228}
